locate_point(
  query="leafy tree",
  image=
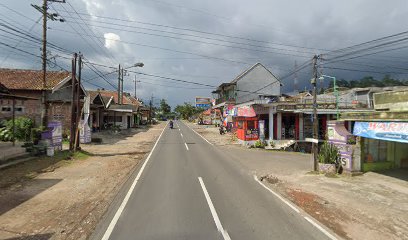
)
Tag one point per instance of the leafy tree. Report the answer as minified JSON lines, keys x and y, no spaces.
{"x":369,"y":81}
{"x":164,"y":107}
{"x":187,"y":110}
{"x":22,"y":128}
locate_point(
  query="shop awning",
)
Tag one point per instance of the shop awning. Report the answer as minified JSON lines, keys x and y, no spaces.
{"x":122,"y":108}
{"x":388,"y":131}
{"x":245,"y":111}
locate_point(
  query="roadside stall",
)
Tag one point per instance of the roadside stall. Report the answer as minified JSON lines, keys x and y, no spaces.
{"x":246,"y":124}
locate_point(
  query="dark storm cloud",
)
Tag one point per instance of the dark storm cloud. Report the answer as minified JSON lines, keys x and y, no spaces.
{"x":318,"y":24}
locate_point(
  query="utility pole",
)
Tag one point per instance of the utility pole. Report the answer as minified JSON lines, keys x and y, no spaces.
{"x":315,"y":146}
{"x":73,"y":114}
{"x":78,"y":103}
{"x":121,"y":87}
{"x":295,"y":82}
{"x":54,"y":17}
{"x":44,"y":65}
{"x":135,"y":87}
{"x":119,"y":82}
{"x":151,"y":109}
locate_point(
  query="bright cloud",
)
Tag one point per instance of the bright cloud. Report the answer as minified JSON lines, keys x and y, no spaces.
{"x":111,"y":40}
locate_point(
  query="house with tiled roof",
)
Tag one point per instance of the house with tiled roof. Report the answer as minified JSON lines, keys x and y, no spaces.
{"x":106,"y":110}
{"x":29,"y":83}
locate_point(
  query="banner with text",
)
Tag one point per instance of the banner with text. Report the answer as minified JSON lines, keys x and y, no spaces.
{"x":389,"y":131}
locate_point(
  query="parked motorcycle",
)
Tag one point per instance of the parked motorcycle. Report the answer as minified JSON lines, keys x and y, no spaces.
{"x":222,"y":130}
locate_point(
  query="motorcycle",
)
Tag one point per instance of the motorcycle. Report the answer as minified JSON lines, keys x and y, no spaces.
{"x":171,"y":124}
{"x":222,"y":130}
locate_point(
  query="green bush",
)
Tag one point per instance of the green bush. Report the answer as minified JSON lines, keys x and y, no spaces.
{"x":328,"y":153}
{"x":259,"y":144}
{"x":36,"y":134}
{"x":5,"y":134}
{"x":23,"y":127}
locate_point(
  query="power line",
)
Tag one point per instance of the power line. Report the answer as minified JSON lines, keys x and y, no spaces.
{"x":195,"y":36}
{"x":367,"y":42}
{"x":167,"y":49}
{"x":199,"y":31}
{"x":358,"y":70}
{"x":110,"y":56}
{"x":82,"y":36}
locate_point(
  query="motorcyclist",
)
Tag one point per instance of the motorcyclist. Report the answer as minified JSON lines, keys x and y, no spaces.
{"x":171,"y":124}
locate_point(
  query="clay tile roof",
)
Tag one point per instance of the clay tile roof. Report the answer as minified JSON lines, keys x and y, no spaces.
{"x":3,"y":89}
{"x":92,"y":94}
{"x":114,"y":94}
{"x":30,"y":79}
{"x":134,"y":101}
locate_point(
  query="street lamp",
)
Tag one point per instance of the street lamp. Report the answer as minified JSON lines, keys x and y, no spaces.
{"x":120,"y":79}
{"x":336,"y":92}
{"x":139,"y":64}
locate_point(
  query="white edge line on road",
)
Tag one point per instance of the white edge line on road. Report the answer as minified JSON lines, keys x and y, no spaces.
{"x":277,"y":195}
{"x":213,"y":211}
{"x":296,"y":210}
{"x":200,"y":135}
{"x":181,"y":135}
{"x":115,"y":218}
{"x":186,"y":146}
{"x":320,"y":228}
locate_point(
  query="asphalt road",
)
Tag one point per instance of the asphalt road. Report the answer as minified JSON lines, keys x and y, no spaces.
{"x":189,"y":189}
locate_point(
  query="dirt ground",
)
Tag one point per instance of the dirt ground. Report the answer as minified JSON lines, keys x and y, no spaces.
{"x":56,"y":198}
{"x":370,"y":206}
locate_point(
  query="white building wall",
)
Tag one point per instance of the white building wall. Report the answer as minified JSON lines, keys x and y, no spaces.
{"x":255,"y":79}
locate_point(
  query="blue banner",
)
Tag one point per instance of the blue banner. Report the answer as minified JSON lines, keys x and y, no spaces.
{"x":389,"y":131}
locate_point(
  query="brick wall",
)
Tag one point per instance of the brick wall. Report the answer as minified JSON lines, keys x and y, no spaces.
{"x":60,"y":112}
{"x":57,"y":111}
{"x":29,"y":108}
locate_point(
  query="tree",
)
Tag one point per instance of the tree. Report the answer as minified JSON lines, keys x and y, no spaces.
{"x":187,"y":110}
{"x":164,"y":107}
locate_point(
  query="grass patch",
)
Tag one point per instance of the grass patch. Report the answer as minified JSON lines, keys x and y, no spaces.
{"x":81,"y":155}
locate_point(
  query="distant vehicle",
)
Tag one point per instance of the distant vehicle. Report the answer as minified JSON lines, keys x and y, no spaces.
{"x":171,"y":124}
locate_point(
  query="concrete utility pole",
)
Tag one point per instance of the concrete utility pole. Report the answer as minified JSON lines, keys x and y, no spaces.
{"x":73,"y":114}
{"x":136,"y":86}
{"x":119,"y":82}
{"x":315,"y":146}
{"x":53,"y":17}
{"x":78,"y":102}
{"x":44,"y":65}
{"x":121,"y":87}
{"x":151,"y":109}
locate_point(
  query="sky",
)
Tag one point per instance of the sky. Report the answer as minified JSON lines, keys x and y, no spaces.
{"x":207,"y":42}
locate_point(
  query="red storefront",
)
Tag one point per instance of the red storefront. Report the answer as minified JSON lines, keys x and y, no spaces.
{"x":247,"y":128}
{"x":246,"y":123}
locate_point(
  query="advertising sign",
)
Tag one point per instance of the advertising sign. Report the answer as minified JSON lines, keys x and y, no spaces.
{"x":339,"y":136}
{"x":53,"y":134}
{"x":251,"y":133}
{"x":203,"y":102}
{"x":389,"y":131}
{"x":246,"y":111}
{"x":84,"y":133}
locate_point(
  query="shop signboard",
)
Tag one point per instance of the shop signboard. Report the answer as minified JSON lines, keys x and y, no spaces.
{"x":53,"y":134}
{"x":246,"y":111}
{"x":203,"y":102}
{"x":388,"y":131}
{"x":339,"y":136}
{"x":251,"y":133}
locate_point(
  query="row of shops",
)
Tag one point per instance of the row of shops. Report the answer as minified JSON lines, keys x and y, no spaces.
{"x":381,"y":142}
